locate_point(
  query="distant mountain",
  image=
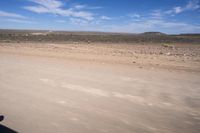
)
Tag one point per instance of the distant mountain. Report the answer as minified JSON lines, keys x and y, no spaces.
{"x":153,"y":33}
{"x":190,"y":34}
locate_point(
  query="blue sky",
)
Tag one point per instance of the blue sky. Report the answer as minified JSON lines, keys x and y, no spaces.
{"x":135,"y":16}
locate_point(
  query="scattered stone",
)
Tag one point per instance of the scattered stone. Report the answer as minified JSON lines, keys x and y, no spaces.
{"x":168,"y":54}
{"x":169,"y":46}
{"x":133,"y":62}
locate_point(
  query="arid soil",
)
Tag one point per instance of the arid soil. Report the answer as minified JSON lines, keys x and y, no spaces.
{"x":176,"y":56}
{"x":99,"y":87}
{"x":94,"y":37}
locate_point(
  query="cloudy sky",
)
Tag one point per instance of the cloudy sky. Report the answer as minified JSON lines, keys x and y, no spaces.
{"x":135,"y":16}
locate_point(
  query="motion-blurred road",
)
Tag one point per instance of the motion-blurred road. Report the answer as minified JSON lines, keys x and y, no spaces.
{"x":49,"y":95}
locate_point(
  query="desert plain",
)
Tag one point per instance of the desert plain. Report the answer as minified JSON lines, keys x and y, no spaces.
{"x":83,"y":82}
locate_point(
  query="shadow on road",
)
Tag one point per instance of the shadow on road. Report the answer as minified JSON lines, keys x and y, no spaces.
{"x":4,"y":129}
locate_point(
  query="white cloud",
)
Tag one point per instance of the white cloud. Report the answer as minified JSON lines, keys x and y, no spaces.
{"x":19,"y":21}
{"x":155,"y":25}
{"x":78,"y":22}
{"x":165,"y":26}
{"x":178,"y":9}
{"x":37,"y":9}
{"x":134,"y":15}
{"x":80,"y":6}
{"x":50,"y":4}
{"x":105,"y":18}
{"x":11,"y":15}
{"x":55,"y":7}
{"x":157,"y":14}
{"x":191,"y":5}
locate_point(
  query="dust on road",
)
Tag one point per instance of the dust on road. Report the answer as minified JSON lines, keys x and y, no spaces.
{"x":48,"y":95}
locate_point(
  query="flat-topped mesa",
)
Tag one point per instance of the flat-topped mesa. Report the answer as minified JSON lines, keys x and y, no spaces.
{"x":153,"y":33}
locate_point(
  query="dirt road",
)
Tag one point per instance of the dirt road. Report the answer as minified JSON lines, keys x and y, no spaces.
{"x":48,"y":95}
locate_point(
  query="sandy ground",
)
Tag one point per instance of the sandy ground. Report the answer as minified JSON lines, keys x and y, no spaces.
{"x":181,"y":56}
{"x":45,"y":89}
